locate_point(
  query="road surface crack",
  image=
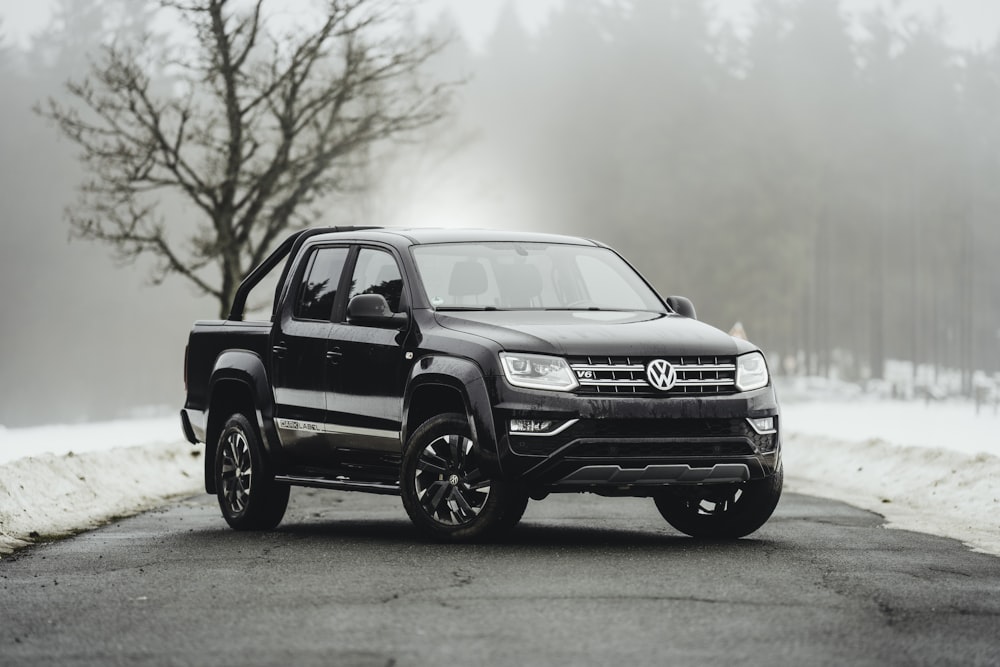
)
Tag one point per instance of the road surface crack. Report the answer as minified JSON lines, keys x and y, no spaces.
{"x":460,"y":579}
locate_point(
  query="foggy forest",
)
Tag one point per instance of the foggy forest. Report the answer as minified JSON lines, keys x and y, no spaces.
{"x":828,"y":184}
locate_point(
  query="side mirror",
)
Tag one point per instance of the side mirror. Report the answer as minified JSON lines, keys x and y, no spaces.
{"x":682,"y":306}
{"x":372,"y":310}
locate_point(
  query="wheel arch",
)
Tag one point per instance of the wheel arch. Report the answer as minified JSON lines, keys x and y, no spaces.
{"x":440,"y":384}
{"x":429,"y":398}
{"x":238,"y":383}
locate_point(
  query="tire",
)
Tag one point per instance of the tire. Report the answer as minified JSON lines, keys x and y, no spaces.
{"x":444,"y":490}
{"x":248,"y":495}
{"x":730,"y":511}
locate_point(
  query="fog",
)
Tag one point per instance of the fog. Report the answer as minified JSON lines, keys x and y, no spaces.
{"x":828,"y":183}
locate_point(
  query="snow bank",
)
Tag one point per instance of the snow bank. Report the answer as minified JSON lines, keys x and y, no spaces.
{"x":56,"y":494}
{"x":925,"y":467}
{"x":915,"y":488}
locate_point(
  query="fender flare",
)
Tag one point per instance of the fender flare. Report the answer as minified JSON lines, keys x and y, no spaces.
{"x":248,"y":369}
{"x":466,"y":377}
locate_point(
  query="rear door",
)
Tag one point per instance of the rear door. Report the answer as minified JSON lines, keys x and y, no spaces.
{"x":299,"y":360}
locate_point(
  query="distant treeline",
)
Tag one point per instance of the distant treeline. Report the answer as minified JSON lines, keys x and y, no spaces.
{"x":83,"y":339}
{"x":831,"y":185}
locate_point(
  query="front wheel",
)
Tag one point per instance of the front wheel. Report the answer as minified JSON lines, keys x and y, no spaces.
{"x":446,"y":491}
{"x":727,"y":511}
{"x":248,"y":495}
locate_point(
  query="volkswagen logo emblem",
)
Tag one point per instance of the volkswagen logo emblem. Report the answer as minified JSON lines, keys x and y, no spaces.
{"x":661,"y":374}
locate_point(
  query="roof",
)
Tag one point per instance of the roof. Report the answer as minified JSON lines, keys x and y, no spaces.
{"x":422,"y":235}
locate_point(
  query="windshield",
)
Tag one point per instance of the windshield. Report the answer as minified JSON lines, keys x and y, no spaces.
{"x":530,"y":276}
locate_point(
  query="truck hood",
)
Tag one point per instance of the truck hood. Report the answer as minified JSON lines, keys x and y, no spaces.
{"x":595,"y":333}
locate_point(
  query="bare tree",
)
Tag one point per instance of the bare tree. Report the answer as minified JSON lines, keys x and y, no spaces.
{"x":252,"y":129}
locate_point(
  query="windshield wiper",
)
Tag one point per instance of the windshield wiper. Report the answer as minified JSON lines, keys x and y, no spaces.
{"x":608,"y":310}
{"x":466,"y":308}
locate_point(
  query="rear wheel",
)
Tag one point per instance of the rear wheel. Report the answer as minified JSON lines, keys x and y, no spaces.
{"x":248,"y":495}
{"x":446,"y":491}
{"x":725,"y":511}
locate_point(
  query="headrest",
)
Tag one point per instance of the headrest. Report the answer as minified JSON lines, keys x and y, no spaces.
{"x":519,"y":283}
{"x":467,"y":279}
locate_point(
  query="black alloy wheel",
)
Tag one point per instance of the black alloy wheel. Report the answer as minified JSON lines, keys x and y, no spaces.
{"x":448,"y":485}
{"x":236,"y":473}
{"x":248,"y":495}
{"x":725,"y":511}
{"x":446,"y":491}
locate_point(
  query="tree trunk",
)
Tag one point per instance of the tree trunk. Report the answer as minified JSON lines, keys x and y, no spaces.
{"x":232,"y":276}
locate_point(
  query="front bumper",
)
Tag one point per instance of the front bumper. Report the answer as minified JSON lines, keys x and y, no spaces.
{"x":634,"y":445}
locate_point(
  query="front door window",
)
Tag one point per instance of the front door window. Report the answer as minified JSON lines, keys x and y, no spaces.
{"x":376,"y":273}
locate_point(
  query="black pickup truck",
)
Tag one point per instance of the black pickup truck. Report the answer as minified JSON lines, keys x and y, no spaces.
{"x":470,"y":370}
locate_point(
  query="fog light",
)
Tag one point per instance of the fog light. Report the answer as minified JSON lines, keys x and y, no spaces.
{"x":530,"y":425}
{"x":539,"y":426}
{"x":763,"y":425}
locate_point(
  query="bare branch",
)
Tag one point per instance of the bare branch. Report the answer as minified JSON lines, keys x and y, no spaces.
{"x":251,"y":129}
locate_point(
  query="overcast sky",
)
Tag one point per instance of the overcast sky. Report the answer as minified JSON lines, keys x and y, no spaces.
{"x":973,"y":22}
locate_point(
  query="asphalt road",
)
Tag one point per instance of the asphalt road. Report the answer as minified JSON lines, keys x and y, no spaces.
{"x":345,"y":580}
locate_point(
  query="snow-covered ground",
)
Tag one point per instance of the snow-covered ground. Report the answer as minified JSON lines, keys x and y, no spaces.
{"x":927,"y":467}
{"x":52,"y":495}
{"x":56,"y":480}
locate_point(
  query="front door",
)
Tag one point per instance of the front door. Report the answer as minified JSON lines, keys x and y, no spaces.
{"x":365,"y":404}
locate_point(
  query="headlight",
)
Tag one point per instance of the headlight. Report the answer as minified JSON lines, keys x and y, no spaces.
{"x":534,"y":371}
{"x":751,"y":371}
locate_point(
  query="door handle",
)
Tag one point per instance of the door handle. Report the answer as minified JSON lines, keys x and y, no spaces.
{"x":333,"y":356}
{"x":279,"y":351}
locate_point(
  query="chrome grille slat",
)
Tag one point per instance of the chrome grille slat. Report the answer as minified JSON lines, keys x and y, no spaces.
{"x":627,"y":375}
{"x":705,"y":367}
{"x":615,"y":383}
{"x":609,"y":367}
{"x":704,"y":383}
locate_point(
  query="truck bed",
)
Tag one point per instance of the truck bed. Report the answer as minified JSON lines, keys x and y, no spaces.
{"x":209,"y":339}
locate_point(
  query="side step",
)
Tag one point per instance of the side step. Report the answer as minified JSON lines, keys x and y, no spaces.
{"x":382,"y":488}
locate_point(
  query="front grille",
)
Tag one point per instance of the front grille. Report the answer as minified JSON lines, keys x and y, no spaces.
{"x":708,"y":375}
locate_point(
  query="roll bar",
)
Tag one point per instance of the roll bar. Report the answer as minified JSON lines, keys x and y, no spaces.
{"x":289,"y":246}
